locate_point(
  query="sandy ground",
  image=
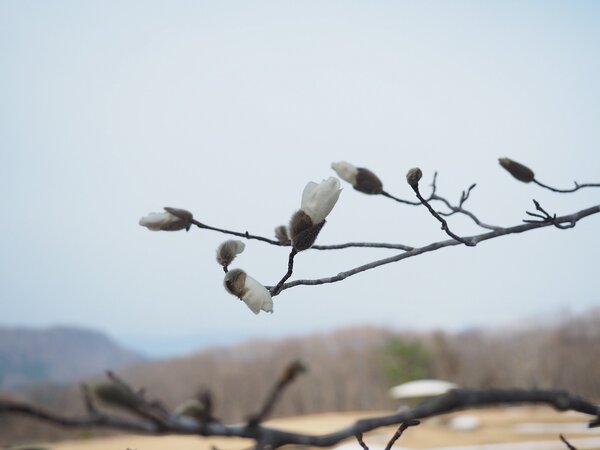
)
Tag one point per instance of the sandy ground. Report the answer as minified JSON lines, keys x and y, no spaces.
{"x":509,"y":425}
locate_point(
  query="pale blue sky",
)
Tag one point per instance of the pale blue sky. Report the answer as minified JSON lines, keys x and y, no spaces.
{"x":110,"y":110}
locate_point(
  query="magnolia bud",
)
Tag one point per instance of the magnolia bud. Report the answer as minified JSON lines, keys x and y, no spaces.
{"x":302,"y":230}
{"x":413,"y":176}
{"x":292,"y":370}
{"x":227,"y":251}
{"x":250,"y":291}
{"x":183,"y":214}
{"x":319,"y":199}
{"x":517,"y":170}
{"x":115,"y":395}
{"x":363,"y":180}
{"x":235,"y":282}
{"x":281,"y":234}
{"x":367,"y":182}
{"x":173,"y":219}
{"x":192,"y":408}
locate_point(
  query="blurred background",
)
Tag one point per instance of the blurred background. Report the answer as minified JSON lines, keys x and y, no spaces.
{"x":110,"y":110}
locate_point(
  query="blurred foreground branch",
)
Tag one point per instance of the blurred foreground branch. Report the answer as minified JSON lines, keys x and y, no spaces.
{"x":183,"y":422}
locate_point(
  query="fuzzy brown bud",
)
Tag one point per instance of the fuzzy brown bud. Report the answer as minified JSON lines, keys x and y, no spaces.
{"x":172,"y":219}
{"x":361,"y":179}
{"x":517,"y":170}
{"x":367,"y":182}
{"x":228,"y":250}
{"x":292,"y":370}
{"x":281,"y":234}
{"x":192,"y":408}
{"x":235,"y":282}
{"x":302,"y":230}
{"x":115,"y":395}
{"x":413,"y":176}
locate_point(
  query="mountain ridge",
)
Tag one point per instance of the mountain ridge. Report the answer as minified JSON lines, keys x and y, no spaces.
{"x":57,"y":354}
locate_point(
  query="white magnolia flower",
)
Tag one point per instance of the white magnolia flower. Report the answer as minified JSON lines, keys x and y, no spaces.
{"x":345,"y":171}
{"x":227,"y":251}
{"x":172,"y":219}
{"x":250,"y":291}
{"x":319,"y":199}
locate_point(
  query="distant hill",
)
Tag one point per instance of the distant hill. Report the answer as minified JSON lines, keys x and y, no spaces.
{"x":57,"y":355}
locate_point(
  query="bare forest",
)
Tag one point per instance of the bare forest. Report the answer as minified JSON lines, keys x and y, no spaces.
{"x":351,"y":370}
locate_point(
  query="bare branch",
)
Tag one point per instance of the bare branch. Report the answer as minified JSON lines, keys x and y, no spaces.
{"x":363,"y":244}
{"x":361,"y":442}
{"x":456,"y":400}
{"x":445,"y":226}
{"x":403,"y":426}
{"x":399,"y":200}
{"x":289,"y":374}
{"x":277,"y":289}
{"x":459,"y":209}
{"x":546,"y":218}
{"x":566,"y":191}
{"x":567,"y":443}
{"x":571,"y":219}
{"x":247,"y":235}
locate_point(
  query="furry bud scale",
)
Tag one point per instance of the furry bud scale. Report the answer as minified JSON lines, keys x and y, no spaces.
{"x":227,"y":251}
{"x":413,"y":176}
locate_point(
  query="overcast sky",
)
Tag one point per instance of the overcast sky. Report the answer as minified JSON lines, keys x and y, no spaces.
{"x":110,"y":110}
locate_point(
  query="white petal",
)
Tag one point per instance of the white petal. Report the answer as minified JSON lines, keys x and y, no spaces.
{"x":154,"y":221}
{"x":257,"y":296}
{"x":239,"y":247}
{"x":319,"y":199}
{"x":308,"y":191}
{"x":345,"y":171}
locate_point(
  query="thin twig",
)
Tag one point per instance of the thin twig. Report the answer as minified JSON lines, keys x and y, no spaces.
{"x":361,"y":442}
{"x":277,"y":289}
{"x":445,"y":226}
{"x":152,"y":410}
{"x":363,"y":244}
{"x":247,"y":235}
{"x":566,"y":191}
{"x":567,"y":443}
{"x":289,"y":374}
{"x":572,"y":218}
{"x":90,"y":406}
{"x":409,"y":202}
{"x":399,"y":200}
{"x":546,"y":217}
{"x":403,"y":426}
{"x":459,"y":209}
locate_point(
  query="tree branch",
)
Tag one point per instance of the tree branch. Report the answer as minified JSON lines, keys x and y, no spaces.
{"x":455,"y":400}
{"x":571,"y":219}
{"x":445,"y":226}
{"x":566,"y":191}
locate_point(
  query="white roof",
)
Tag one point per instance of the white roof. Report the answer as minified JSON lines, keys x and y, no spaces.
{"x":421,"y":388}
